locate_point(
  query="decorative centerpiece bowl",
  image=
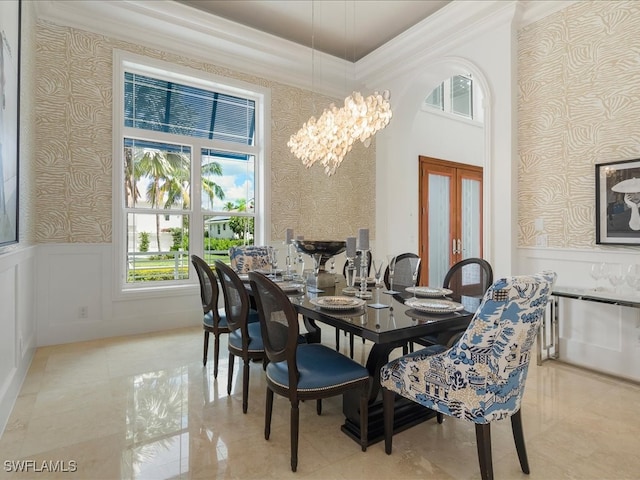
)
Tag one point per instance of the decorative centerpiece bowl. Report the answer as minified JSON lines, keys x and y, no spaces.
{"x":327,"y":249}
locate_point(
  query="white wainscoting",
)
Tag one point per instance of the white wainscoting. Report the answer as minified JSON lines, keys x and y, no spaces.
{"x":72,"y":276}
{"x":17,"y":324}
{"x":593,"y":335}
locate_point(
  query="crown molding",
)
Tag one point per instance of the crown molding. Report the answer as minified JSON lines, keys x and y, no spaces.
{"x":176,"y":28}
{"x":535,"y":10}
{"x":458,"y":23}
{"x":448,"y":28}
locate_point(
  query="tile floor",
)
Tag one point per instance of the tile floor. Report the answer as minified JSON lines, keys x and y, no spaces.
{"x":144,"y":407}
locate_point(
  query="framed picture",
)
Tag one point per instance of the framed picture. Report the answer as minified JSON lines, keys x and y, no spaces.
{"x":618,"y":203}
{"x":9,"y":119}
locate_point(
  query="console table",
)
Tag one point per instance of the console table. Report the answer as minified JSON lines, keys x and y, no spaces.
{"x":549,"y":333}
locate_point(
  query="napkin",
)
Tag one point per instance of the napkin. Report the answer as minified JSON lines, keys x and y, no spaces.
{"x":378,"y":305}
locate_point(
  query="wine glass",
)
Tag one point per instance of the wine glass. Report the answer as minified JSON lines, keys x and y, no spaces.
{"x":332,"y":265}
{"x":273,"y":259}
{"x":377,"y":271}
{"x":415,"y":270}
{"x":317,"y":259}
{"x":633,"y":276}
{"x":597,"y":272}
{"x":615,"y":276}
{"x":391,"y":262}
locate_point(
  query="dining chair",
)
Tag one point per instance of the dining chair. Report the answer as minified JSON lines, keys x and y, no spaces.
{"x":402,"y":273}
{"x":245,"y":338}
{"x":244,"y":258}
{"x":468,"y":280}
{"x":214,"y":319}
{"x":481,"y":378}
{"x":308,"y":371}
{"x":356,"y":264}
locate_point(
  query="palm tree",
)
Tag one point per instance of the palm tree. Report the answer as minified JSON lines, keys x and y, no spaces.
{"x":170,"y":176}
{"x":162,"y":168}
{"x":211,"y":188}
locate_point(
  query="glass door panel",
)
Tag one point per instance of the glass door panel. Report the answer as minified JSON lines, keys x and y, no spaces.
{"x":439,"y":226}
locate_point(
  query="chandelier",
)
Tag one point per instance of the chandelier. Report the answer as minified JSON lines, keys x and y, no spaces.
{"x":330,"y":137}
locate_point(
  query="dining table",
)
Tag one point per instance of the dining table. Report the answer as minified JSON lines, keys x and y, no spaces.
{"x":388,"y":323}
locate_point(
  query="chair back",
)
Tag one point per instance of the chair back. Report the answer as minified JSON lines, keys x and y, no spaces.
{"x":278,"y":323}
{"x":236,"y":299}
{"x":209,"y":292}
{"x":481,"y":377}
{"x":403,"y":272}
{"x":469,"y":279}
{"x":356,"y":263}
{"x":245,"y":258}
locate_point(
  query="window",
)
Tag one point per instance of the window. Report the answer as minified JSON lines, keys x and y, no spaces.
{"x":458,"y":96}
{"x":190,"y":148}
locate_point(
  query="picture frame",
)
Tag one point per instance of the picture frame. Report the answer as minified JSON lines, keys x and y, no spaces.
{"x":10,"y":18}
{"x":618,"y":202}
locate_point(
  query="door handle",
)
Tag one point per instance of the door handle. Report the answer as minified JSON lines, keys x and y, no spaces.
{"x":459,"y":246}
{"x":453,"y":246}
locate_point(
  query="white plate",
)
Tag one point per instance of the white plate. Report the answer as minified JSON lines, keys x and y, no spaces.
{"x":337,"y":303}
{"x":434,"y":306}
{"x":431,"y":292}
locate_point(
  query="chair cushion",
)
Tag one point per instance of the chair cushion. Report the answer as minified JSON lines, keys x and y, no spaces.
{"x":208,"y":319}
{"x":254,"y":317}
{"x":255,"y":338}
{"x":320,"y":368}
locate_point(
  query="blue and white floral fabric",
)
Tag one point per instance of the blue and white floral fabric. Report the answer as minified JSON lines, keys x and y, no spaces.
{"x":481,"y":377}
{"x":249,"y":257}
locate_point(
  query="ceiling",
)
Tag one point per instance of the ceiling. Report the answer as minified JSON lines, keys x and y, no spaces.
{"x":347,"y":29}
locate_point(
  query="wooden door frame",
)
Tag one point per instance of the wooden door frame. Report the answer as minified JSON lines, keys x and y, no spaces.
{"x":452,"y":169}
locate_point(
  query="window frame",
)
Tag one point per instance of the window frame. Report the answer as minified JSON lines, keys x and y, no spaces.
{"x":125,"y":61}
{"x":445,"y":107}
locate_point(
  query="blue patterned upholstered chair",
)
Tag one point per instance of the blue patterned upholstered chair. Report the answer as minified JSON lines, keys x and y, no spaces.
{"x":246,"y":258}
{"x":481,"y":377}
{"x":245,"y":338}
{"x":308,"y":371}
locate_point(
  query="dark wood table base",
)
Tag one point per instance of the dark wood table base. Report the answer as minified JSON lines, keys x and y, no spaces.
{"x":406,"y":415}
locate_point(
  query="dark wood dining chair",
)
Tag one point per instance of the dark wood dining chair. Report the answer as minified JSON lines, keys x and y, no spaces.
{"x":468,"y":280}
{"x":402,"y":273}
{"x":307,"y":371}
{"x":214,"y":319}
{"x":245,"y":338}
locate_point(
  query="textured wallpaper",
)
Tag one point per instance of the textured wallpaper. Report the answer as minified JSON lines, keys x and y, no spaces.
{"x":73,"y":158}
{"x":578,"y":105}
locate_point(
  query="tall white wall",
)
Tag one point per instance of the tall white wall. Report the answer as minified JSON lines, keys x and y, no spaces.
{"x":486,"y":52}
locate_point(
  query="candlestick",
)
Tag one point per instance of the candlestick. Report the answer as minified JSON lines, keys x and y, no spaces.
{"x":363,"y":239}
{"x":364,"y":272}
{"x":351,"y":247}
{"x":289,"y":236}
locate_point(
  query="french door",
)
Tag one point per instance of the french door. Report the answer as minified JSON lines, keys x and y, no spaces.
{"x":450,"y":223}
